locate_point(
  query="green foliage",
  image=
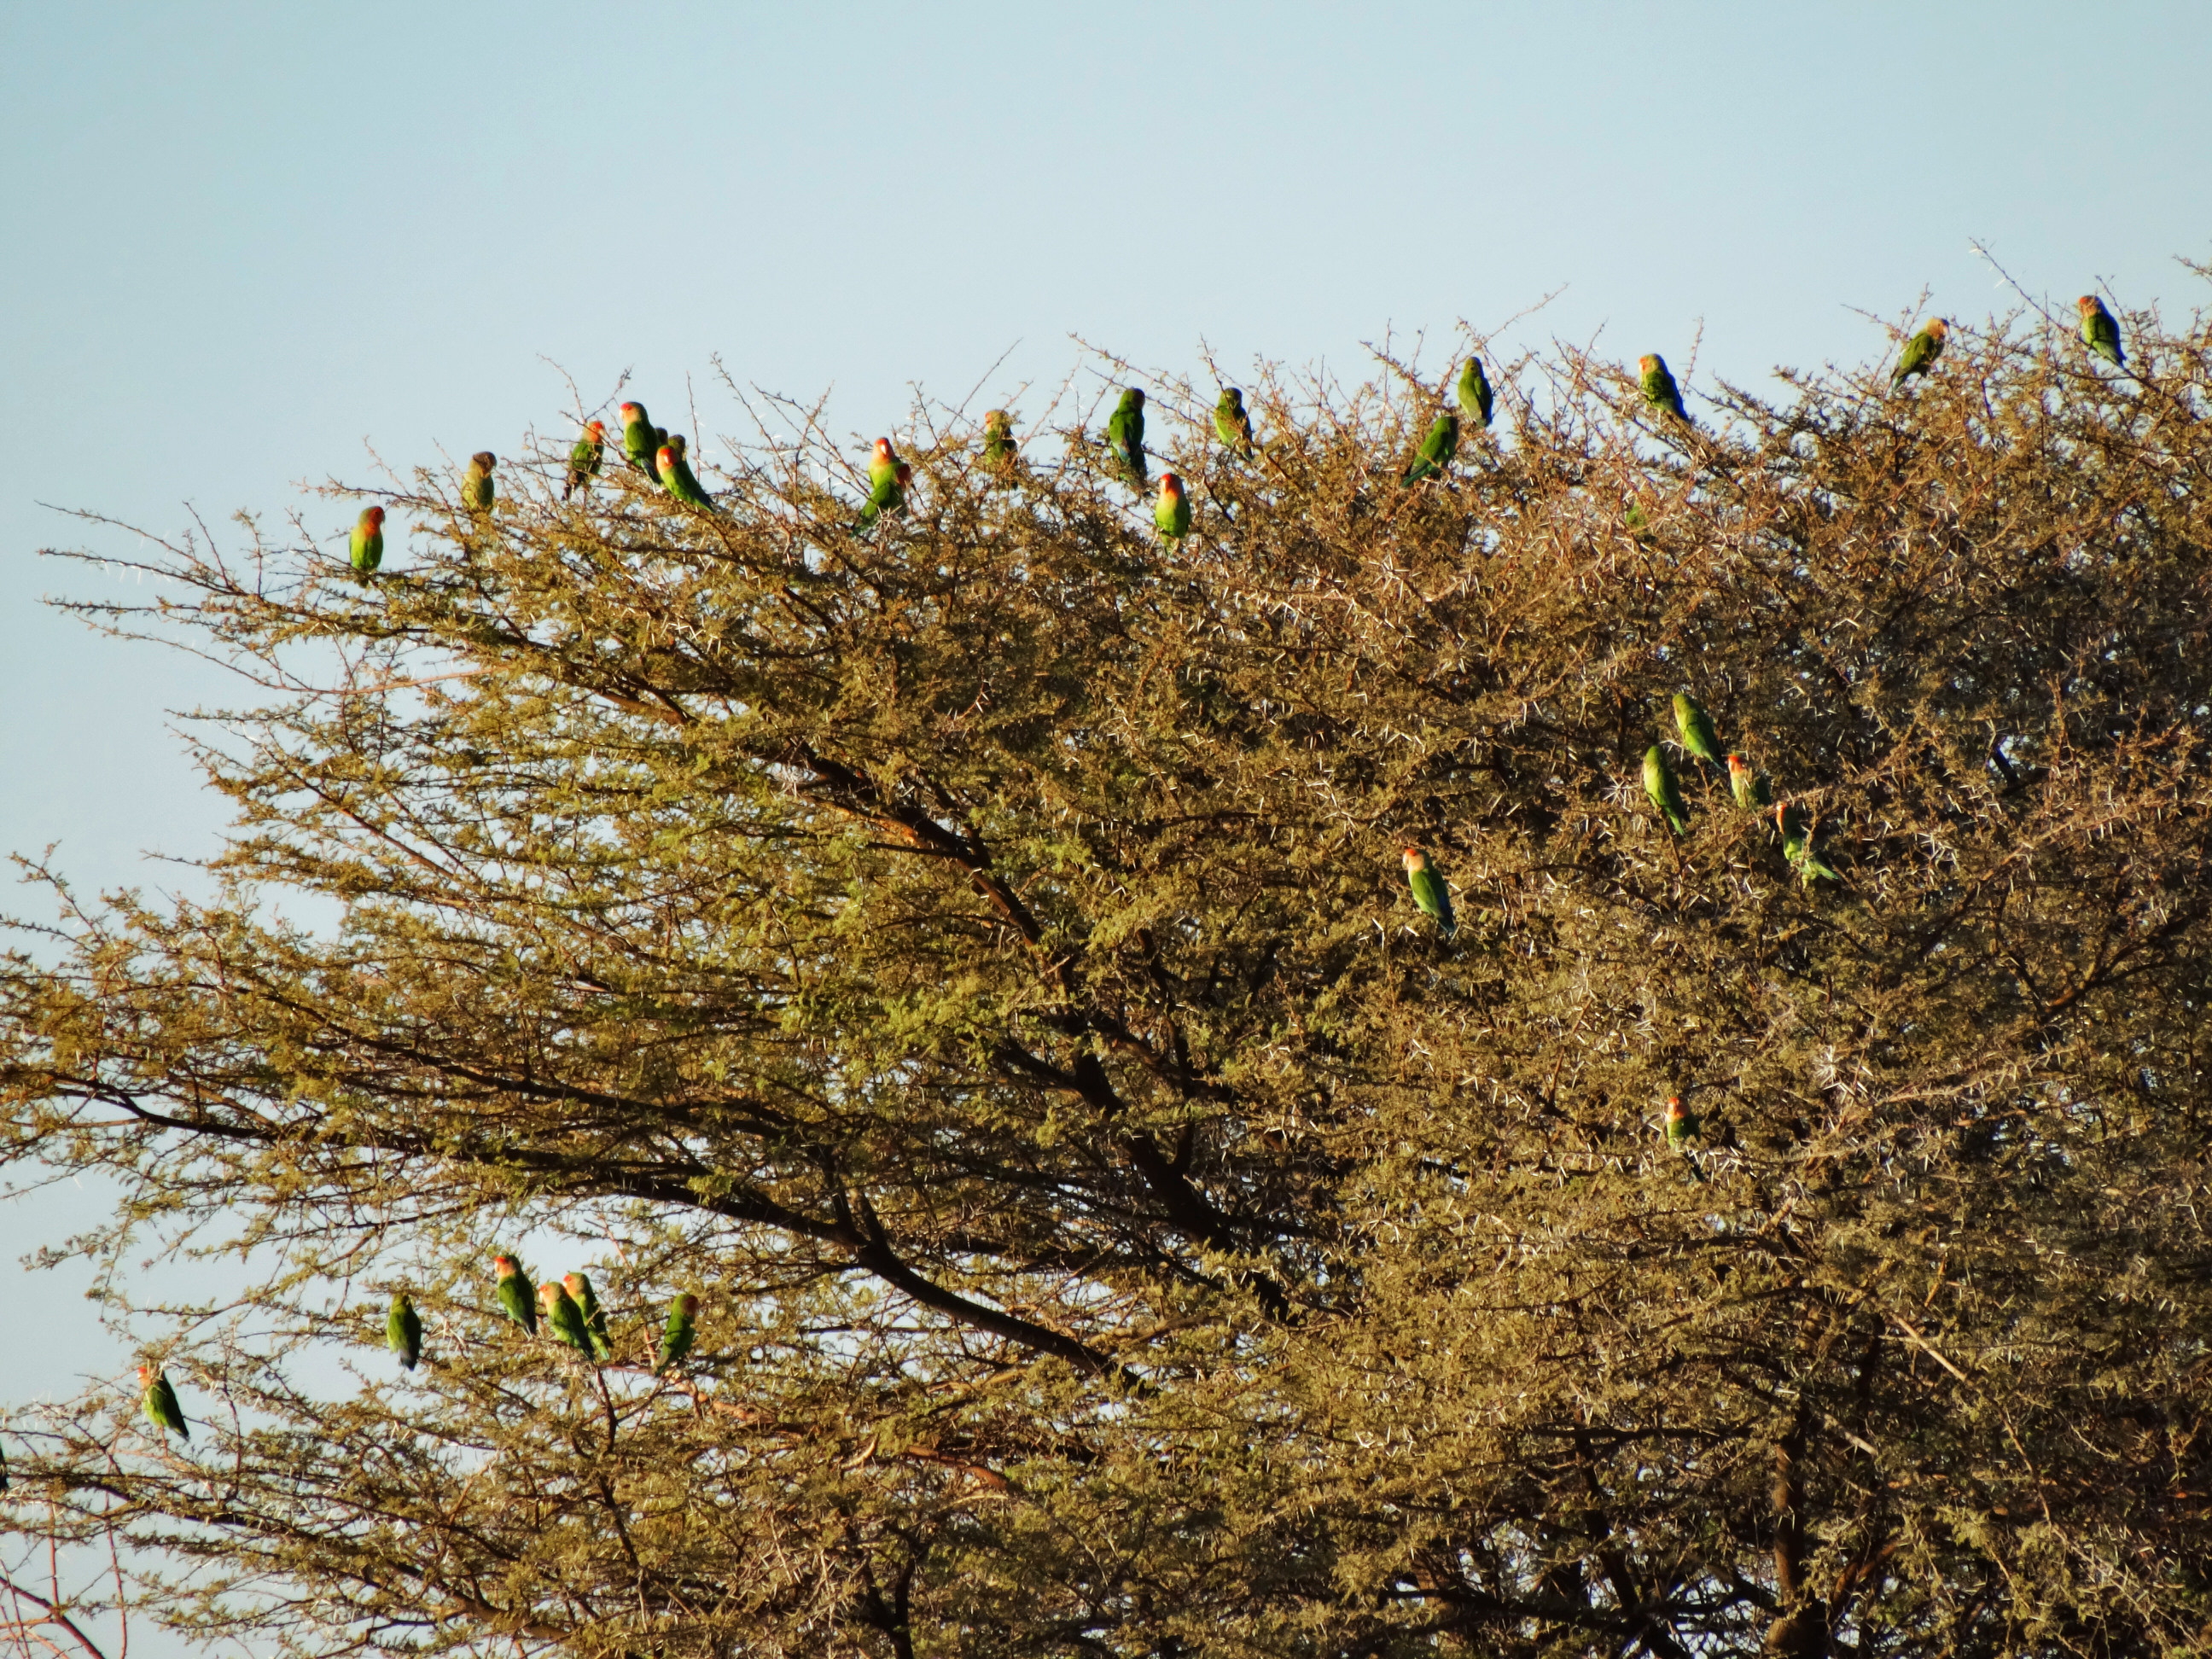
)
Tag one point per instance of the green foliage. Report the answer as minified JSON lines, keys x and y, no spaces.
{"x":975,"y":956}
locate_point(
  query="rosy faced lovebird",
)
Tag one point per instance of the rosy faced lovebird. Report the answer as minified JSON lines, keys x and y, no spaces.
{"x":579,"y":1285}
{"x":477,"y":489}
{"x":1172,"y":512}
{"x":515,"y":1293}
{"x":1921,"y":352}
{"x":1751,"y":791}
{"x":1682,"y":1126}
{"x":1125,"y":436}
{"x":1436,"y":451}
{"x":1797,"y":845}
{"x":565,"y":1317}
{"x":1475,"y":399}
{"x":403,"y":1330}
{"x":884,"y":495}
{"x":676,"y":476}
{"x":2099,"y":332}
{"x":1666,"y":794}
{"x":639,"y":442}
{"x":1430,"y":896}
{"x":677,"y":1337}
{"x":1697,"y":729}
{"x":1231,"y":423}
{"x":1659,"y":388}
{"x":367,"y":550}
{"x":159,"y":1401}
{"x":584,"y":458}
{"x":998,"y":450}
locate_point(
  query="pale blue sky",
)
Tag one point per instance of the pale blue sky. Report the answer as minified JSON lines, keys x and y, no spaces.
{"x":245,"y":242}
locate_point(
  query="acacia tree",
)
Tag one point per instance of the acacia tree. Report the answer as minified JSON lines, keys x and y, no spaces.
{"x":972,"y":956}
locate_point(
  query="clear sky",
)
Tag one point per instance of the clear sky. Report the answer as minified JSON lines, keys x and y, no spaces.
{"x":245,"y":242}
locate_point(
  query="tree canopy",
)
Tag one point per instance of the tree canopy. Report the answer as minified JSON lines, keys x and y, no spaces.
{"x":971,"y":952}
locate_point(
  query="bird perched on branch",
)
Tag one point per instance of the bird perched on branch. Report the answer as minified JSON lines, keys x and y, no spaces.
{"x":1665,"y":793}
{"x":1125,"y":436}
{"x":584,"y":459}
{"x":477,"y":489}
{"x":565,"y":1317}
{"x":515,"y":1293}
{"x":1797,"y":845}
{"x":1697,"y":729}
{"x":1231,"y":423}
{"x":367,"y":549}
{"x":641,"y":442}
{"x":578,"y":1287}
{"x":998,"y":447}
{"x":1751,"y":793}
{"x":159,"y":1401}
{"x":1436,"y":451}
{"x":1474,"y":394}
{"x":1431,"y":896}
{"x":1659,"y":388}
{"x":1172,"y":512}
{"x":1921,"y":352}
{"x":403,"y":1330}
{"x":1682,"y":1126}
{"x":2099,"y":332}
{"x":886,"y":494}
{"x":675,"y":1338}
{"x":676,"y":476}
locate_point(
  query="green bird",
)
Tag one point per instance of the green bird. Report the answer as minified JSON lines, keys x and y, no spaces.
{"x":160,"y":1400}
{"x":1430,"y":896}
{"x":584,"y":459}
{"x":1125,"y":436}
{"x":367,"y":550}
{"x":1436,"y":451}
{"x":640,"y":440}
{"x":1921,"y":352}
{"x":477,"y":491}
{"x":1231,"y":423}
{"x":677,"y":1337}
{"x":1697,"y":729}
{"x":1172,"y":512}
{"x":1637,"y":522}
{"x":1474,"y":395}
{"x":403,"y":1330}
{"x":595,"y":1317}
{"x":565,"y":1317}
{"x":1751,"y":793}
{"x":1666,"y":794}
{"x":676,"y":477}
{"x":515,"y":1293}
{"x":1797,"y":845}
{"x":2099,"y":332}
{"x":1659,"y":388}
{"x":1682,"y":1126}
{"x":999,"y":450}
{"x":886,"y":493}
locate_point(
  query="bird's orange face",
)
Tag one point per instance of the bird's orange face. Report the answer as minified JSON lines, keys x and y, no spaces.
{"x":1170,"y":485}
{"x":597,"y":428}
{"x":1736,"y":763}
{"x":2087,"y":302}
{"x":375,"y":518}
{"x":631,"y":414}
{"x":1416,"y":859}
{"x":1675,"y":1112}
{"x":504,"y":1266}
{"x":666,"y":457}
{"x":1647,"y":364}
{"x":1939,"y":328}
{"x":145,"y":1375}
{"x":574,"y":1282}
{"x":883,"y":449}
{"x":548,"y":1293}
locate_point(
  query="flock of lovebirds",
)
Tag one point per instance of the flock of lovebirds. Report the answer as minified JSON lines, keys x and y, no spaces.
{"x":571,"y":1312}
